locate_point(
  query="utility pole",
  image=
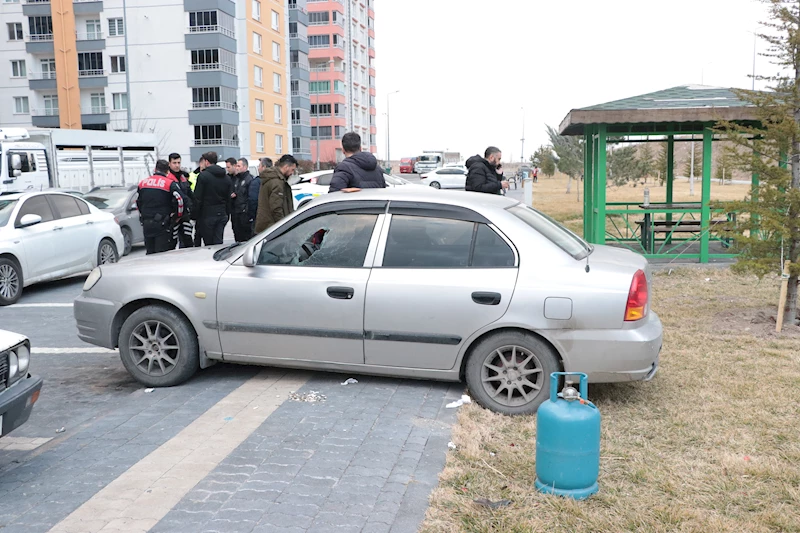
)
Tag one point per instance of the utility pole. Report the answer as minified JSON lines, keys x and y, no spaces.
{"x":522,"y":155}
{"x":127,"y":63}
{"x":388,"y":155}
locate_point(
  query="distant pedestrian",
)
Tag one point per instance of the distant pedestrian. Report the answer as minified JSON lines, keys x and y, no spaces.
{"x":482,"y":175}
{"x":255,"y":188}
{"x":160,"y":204}
{"x":213,"y":199}
{"x":359,"y":170}
{"x":240,"y":217}
{"x":275,"y":196}
{"x":535,"y":174}
{"x":184,"y":226}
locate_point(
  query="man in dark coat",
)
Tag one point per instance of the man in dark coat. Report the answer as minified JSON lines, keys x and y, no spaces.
{"x":184,"y":227}
{"x":255,"y":188}
{"x":482,"y":176}
{"x":212,"y":199}
{"x":160,"y":204}
{"x":240,"y":218}
{"x":359,"y":170}
{"x":275,"y":195}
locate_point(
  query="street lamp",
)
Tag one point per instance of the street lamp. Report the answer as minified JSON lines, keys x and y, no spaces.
{"x":388,"y":156}
{"x":755,"y":41}
{"x":522,"y":155}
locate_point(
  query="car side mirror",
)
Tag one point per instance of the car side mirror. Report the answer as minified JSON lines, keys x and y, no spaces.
{"x":16,"y":162}
{"x":133,"y":207}
{"x":29,"y":220}
{"x":251,"y":254}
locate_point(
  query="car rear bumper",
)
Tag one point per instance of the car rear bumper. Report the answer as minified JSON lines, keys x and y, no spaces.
{"x":16,"y":402}
{"x":94,"y":318}
{"x":610,"y":356}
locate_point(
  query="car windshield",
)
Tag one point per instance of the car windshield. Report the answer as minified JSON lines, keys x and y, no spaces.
{"x":108,"y":199}
{"x":552,"y":230}
{"x":6,"y":207}
{"x":295,"y":179}
{"x":428,"y":158}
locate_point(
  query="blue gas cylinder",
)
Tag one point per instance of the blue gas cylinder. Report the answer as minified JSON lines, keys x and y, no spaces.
{"x":568,"y":441}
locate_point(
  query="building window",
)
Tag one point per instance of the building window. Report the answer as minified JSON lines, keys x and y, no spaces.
{"x":318,"y":18}
{"x":258,"y":76}
{"x":15,"y":31}
{"x":319,"y":41}
{"x":216,"y":135}
{"x":40,"y":28}
{"x":116,"y":27}
{"x":256,"y":10}
{"x":278,"y":144}
{"x":214,"y":97}
{"x":322,"y":132}
{"x":278,"y":111}
{"x":48,"y":69}
{"x":338,"y":87}
{"x":276,"y":52}
{"x":21,"y":105}
{"x":276,"y":21}
{"x":296,"y":144}
{"x":120,"y":101}
{"x":94,"y":30}
{"x":259,"y":109}
{"x":319,"y":87}
{"x":320,"y":110}
{"x":260,"y":141}
{"x":90,"y":64}
{"x":212,"y":22}
{"x":276,"y":82}
{"x":117,"y":64}
{"x":256,"y":43}
{"x":18,"y":68}
{"x":98,"y":103}
{"x":51,"y":105}
{"x":214,"y":59}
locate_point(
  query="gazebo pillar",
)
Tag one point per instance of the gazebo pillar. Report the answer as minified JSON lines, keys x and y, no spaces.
{"x":588,"y":181}
{"x":705,"y":209}
{"x":600,"y":187}
{"x":670,"y":177}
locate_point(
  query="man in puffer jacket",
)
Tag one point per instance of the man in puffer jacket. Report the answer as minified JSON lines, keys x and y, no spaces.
{"x":359,"y":170}
{"x":482,"y":176}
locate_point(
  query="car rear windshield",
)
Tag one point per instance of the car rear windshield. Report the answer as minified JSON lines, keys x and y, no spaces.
{"x":552,"y":230}
{"x":428,"y":158}
{"x":110,"y":199}
{"x":6,"y":207}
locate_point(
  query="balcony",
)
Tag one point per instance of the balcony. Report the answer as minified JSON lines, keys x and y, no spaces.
{"x":300,"y":122}
{"x":33,"y":8}
{"x":38,"y":81}
{"x":302,"y":65}
{"x":215,"y":142}
{"x":95,"y":115}
{"x":39,"y":43}
{"x":90,"y":42}
{"x":214,"y":66}
{"x":92,"y":79}
{"x":87,"y":7}
{"x":215,"y":105}
{"x":213,"y":29}
{"x":45,"y":117}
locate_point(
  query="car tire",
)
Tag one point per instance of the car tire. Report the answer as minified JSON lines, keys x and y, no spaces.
{"x":436,"y":185}
{"x":107,"y":252}
{"x":506,"y":361}
{"x":127,"y":236}
{"x":10,"y":281}
{"x":159,"y":347}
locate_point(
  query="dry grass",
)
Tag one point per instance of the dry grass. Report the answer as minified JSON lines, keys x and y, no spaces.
{"x":710,"y":445}
{"x":549,"y":195}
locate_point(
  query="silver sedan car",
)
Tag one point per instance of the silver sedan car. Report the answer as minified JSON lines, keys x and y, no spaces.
{"x":392,"y":282}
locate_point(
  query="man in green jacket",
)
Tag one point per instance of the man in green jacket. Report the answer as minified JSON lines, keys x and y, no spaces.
{"x":275,"y":194}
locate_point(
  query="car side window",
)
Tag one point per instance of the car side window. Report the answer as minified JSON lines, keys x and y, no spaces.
{"x":490,"y":250}
{"x":325,"y":179}
{"x":427,"y":242}
{"x":67,"y":206}
{"x":83,"y":206}
{"x":331,"y":240}
{"x":37,"y":205}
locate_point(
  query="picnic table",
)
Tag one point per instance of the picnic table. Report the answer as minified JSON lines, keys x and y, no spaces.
{"x":650,"y":227}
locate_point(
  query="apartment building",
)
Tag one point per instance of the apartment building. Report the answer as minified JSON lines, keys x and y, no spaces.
{"x":341,"y":38}
{"x":200,"y":74}
{"x":301,"y":105}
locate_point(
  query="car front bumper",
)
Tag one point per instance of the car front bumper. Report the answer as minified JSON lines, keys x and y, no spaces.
{"x":94,"y":318}
{"x":611,"y":356}
{"x":16,"y":402}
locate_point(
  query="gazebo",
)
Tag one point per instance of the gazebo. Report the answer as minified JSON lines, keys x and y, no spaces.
{"x":665,"y":229}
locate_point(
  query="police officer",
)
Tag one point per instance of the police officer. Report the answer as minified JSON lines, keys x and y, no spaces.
{"x":240,"y":218}
{"x":160,"y":205}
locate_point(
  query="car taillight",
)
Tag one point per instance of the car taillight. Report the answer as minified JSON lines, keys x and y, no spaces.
{"x":636,"y":308}
{"x":116,"y":220}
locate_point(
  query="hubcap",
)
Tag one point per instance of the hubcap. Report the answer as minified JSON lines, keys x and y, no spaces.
{"x":128,"y":239}
{"x":512,"y":376}
{"x":9,"y":282}
{"x":107,"y":254}
{"x":154,"y":348}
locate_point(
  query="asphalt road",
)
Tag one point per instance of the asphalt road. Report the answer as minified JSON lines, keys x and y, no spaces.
{"x":227,"y":451}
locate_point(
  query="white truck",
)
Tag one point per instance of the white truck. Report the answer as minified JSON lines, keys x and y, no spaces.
{"x":432,"y":159}
{"x":78,"y":160}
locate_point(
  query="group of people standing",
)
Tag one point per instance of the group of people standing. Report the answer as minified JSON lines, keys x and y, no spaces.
{"x":179,"y":208}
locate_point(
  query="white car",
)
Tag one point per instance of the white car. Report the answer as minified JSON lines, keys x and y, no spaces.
{"x":306,"y":187}
{"x":446,"y":178}
{"x":49,"y":235}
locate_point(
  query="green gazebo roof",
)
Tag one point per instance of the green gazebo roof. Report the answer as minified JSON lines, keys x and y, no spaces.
{"x":660,"y":110}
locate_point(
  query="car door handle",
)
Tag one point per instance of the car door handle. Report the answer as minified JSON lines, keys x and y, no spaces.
{"x":341,"y":293}
{"x":89,"y":222}
{"x":486,"y":298}
{"x":58,"y":228}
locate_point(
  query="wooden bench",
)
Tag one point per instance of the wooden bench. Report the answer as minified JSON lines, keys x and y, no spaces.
{"x":683,"y":226}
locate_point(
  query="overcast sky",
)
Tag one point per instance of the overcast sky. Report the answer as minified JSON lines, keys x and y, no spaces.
{"x":465,"y":69}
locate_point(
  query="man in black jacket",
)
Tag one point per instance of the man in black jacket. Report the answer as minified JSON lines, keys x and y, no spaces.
{"x":212,"y":199}
{"x":359,"y":170}
{"x":160,"y":204}
{"x":184,"y":226}
{"x":240,"y":218}
{"x":482,"y":176}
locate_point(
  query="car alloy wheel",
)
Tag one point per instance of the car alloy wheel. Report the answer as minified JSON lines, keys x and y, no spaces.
{"x":128,"y":238}
{"x":9,"y":282}
{"x":154,"y":348}
{"x":107,"y":253}
{"x":435,"y":185}
{"x":512,"y":376}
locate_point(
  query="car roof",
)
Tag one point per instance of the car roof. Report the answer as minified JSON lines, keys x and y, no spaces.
{"x":315,"y":173}
{"x":26,"y":195}
{"x":468,"y":199}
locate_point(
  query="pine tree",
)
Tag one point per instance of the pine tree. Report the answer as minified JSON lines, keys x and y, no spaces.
{"x":661,"y":163}
{"x":646,"y":162}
